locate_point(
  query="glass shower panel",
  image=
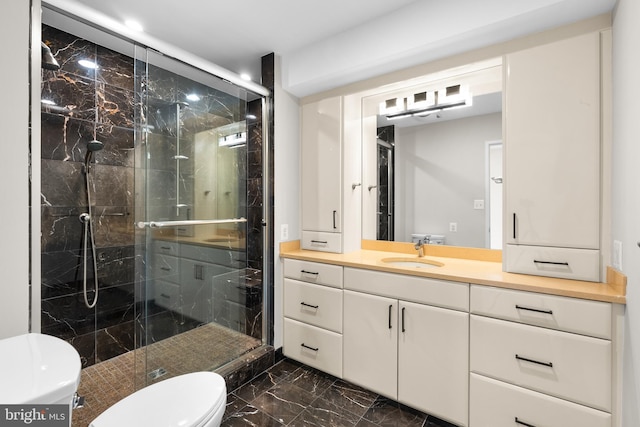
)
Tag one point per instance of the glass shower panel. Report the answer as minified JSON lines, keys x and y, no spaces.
{"x":202,"y":286}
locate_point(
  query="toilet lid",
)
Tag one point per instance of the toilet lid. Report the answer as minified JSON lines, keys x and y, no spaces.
{"x":187,"y":400}
{"x":37,"y":368}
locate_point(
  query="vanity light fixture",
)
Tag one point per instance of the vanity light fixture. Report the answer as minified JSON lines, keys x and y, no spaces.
{"x":425,"y":103}
{"x":47,"y":102}
{"x":392,"y":106}
{"x":88,"y":64}
{"x":234,"y":140}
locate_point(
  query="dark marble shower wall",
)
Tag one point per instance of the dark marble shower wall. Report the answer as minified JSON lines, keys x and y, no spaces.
{"x":100,"y":104}
{"x":88,"y":104}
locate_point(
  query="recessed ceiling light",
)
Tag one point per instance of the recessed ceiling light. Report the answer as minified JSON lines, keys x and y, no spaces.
{"x":88,"y":64}
{"x":245,"y":76}
{"x":193,"y":97}
{"x":134,"y":25}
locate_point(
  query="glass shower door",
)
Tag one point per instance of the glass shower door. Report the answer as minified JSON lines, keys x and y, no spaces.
{"x":198,"y":219}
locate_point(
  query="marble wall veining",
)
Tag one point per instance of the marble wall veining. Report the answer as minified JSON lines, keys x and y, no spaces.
{"x":104,"y":104}
{"x":86,"y":104}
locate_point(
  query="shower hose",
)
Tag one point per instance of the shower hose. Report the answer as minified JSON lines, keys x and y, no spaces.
{"x":89,"y":240}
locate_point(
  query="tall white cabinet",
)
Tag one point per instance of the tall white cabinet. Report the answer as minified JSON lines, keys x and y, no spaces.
{"x":552,"y":181}
{"x":330,"y":173}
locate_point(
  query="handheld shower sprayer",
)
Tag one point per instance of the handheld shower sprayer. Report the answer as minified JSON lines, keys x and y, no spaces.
{"x":87,"y":221}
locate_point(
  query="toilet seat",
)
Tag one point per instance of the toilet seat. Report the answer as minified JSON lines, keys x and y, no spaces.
{"x":188,"y":400}
{"x":38,"y":369}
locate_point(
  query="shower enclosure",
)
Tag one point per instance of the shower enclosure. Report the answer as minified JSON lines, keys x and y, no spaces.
{"x":176,"y":201}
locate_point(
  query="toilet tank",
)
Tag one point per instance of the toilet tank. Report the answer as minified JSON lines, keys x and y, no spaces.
{"x":38,"y":369}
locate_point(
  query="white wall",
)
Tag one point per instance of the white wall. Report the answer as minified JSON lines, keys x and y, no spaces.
{"x":287,"y":184}
{"x":440,"y":171}
{"x":626,"y":192}
{"x":14,"y":169}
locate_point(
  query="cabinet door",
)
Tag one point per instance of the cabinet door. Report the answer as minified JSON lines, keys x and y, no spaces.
{"x":370,"y":342}
{"x":552,"y":144}
{"x":433,"y":361}
{"x":321,"y":165}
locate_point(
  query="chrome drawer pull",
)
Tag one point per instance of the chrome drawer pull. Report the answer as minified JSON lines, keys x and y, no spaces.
{"x":165,"y":247}
{"x":519,"y":307}
{"x":549,"y":364}
{"x":310,"y":348}
{"x":535,"y":261}
{"x":309,"y":272}
{"x":165,"y":296}
{"x":322,"y":242}
{"x":309,"y":305}
{"x":165,"y":269}
{"x":522,"y":423}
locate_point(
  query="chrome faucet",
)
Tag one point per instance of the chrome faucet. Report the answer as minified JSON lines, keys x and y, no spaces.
{"x":420,"y":246}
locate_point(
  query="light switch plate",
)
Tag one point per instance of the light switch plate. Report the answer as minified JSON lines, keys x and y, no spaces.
{"x":617,"y":255}
{"x":284,"y":232}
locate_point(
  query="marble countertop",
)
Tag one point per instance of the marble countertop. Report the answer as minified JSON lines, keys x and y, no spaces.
{"x":476,"y":267}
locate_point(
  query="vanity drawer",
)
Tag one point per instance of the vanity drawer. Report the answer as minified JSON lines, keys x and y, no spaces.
{"x":166,"y":267}
{"x":565,"y":263}
{"x":422,"y":290}
{"x":313,"y":272}
{"x":585,"y":317}
{"x":226,"y":257}
{"x":564,"y":365}
{"x":166,"y":247}
{"x":313,"y":346}
{"x":497,"y":404}
{"x":167,"y":295}
{"x":317,"y":305}
{"x":321,"y":241}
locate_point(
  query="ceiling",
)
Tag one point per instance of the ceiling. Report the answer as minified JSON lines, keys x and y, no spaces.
{"x":330,"y":43}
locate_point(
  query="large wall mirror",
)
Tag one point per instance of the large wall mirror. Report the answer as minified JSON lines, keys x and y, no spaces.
{"x":432,"y":159}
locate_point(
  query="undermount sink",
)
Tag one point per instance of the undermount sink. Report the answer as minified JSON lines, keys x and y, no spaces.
{"x":412,"y":262}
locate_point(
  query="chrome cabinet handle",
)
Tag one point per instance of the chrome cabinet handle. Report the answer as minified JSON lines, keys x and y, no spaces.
{"x":165,"y":269}
{"x":322,"y":242}
{"x":390,"y":307}
{"x":537,"y":310}
{"x":334,"y":219}
{"x":524,"y":359}
{"x":403,"y":330}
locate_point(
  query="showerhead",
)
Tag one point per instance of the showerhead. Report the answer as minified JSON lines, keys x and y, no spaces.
{"x":48,"y":61}
{"x":94,"y":145}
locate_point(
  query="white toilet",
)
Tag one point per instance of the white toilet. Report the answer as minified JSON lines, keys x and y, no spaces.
{"x":38,"y":369}
{"x":191,"y":400}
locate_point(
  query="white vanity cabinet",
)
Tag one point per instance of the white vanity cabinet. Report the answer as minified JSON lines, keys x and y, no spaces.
{"x":407,"y":338}
{"x":321,"y":149}
{"x":331,"y":175}
{"x":552,"y":134}
{"x":312,"y":309}
{"x":540,"y":359}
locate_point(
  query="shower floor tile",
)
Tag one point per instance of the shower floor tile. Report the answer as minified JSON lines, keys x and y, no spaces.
{"x":201,"y":349}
